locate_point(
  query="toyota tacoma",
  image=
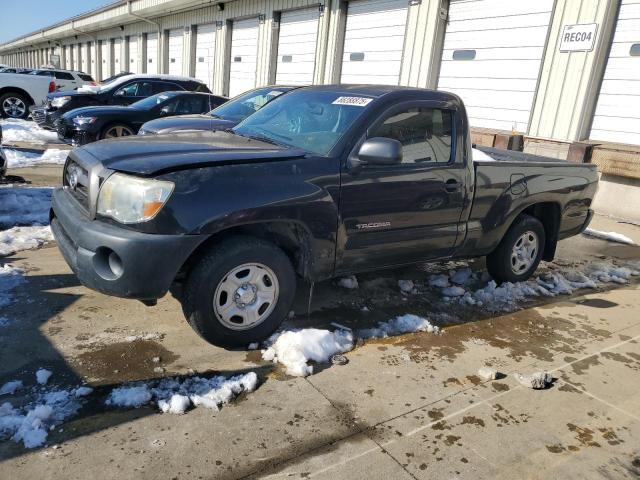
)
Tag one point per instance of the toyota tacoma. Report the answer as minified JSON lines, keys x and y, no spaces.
{"x":324,"y":181}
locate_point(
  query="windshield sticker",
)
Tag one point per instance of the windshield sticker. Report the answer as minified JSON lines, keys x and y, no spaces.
{"x":355,"y":101}
{"x":274,"y":93}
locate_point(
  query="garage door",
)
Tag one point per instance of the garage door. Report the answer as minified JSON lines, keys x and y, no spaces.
{"x":175,"y":51}
{"x":205,"y":53}
{"x":492,"y":56}
{"x":617,"y":118}
{"x":244,"y":52}
{"x":297,"y":47}
{"x":76,"y":57}
{"x":373,"y":43}
{"x":105,"y":59}
{"x":84,"y":58}
{"x":68,"y":65}
{"x":134,"y":56}
{"x":94,"y":64}
{"x":117,"y":55}
{"x":152,"y":53}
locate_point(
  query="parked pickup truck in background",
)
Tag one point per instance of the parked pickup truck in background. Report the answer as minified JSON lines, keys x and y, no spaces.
{"x":19,"y":92}
{"x":322,"y":182}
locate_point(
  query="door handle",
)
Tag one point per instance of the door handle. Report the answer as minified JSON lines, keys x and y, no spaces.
{"x":452,"y":185}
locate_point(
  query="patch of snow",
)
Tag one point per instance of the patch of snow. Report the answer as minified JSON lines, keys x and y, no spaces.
{"x":253,"y":346}
{"x":4,"y":321}
{"x":174,"y":395}
{"x":82,"y":391}
{"x":43,"y":375}
{"x":20,"y":159}
{"x":10,"y":277}
{"x":487,"y":373}
{"x":31,"y":423}
{"x":609,"y":236}
{"x":461,"y":277}
{"x":453,"y":291}
{"x":406,"y":286}
{"x":14,"y":130}
{"x":397,"y":326}
{"x":439,"y":280}
{"x":11,"y":387}
{"x":23,"y":238}
{"x":537,"y":381}
{"x":349,"y":282}
{"x":294,"y":348}
{"x":24,"y":206}
{"x":142,"y":337}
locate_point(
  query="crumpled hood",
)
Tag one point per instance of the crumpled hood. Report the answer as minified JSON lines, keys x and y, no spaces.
{"x":187,"y":122}
{"x":152,"y":155}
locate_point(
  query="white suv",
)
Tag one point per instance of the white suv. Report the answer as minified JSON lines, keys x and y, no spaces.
{"x":66,"y":79}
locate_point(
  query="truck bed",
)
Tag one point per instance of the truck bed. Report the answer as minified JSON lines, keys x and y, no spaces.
{"x":511,"y":156}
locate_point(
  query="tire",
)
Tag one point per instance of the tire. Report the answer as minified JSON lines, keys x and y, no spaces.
{"x":514,"y":260}
{"x":116,"y":130}
{"x":212,"y":298}
{"x":14,"y":105}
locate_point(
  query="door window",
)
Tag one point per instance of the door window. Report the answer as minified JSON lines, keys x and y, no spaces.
{"x":425,"y":134}
{"x":160,"y":87}
{"x":63,"y":76}
{"x":137,"y":89}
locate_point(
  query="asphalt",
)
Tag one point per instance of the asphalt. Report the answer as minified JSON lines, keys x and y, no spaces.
{"x":411,"y":406}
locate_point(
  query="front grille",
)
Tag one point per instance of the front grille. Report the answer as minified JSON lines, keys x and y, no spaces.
{"x":76,"y":180}
{"x":39,"y":116}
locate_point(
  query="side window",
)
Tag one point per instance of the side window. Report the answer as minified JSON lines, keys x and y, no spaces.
{"x":160,"y":87}
{"x":190,"y":104}
{"x":64,"y":76}
{"x":139,"y":89}
{"x":425,"y":134}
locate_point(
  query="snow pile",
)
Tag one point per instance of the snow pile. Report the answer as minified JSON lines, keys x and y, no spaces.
{"x":30,"y":424}
{"x":294,"y":348}
{"x":24,"y":205}
{"x":399,"y":325}
{"x":507,"y":296}
{"x":173,"y":395}
{"x":43,"y":375}
{"x":19,"y":158}
{"x":609,"y":236}
{"x":406,"y":286}
{"x":23,"y":238}
{"x":11,"y":387}
{"x":14,"y":130}
{"x":349,"y":282}
{"x":10,"y":277}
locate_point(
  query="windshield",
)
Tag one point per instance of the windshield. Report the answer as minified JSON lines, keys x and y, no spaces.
{"x":308,"y":119}
{"x":154,"y":100}
{"x":240,"y":107}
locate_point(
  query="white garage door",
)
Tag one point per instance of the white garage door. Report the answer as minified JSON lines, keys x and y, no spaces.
{"x":175,"y":51}
{"x":373,"y":43}
{"x":134,"y":56}
{"x":117,"y":55}
{"x":244,"y":52}
{"x":205,"y":53}
{"x":84,"y":58}
{"x":94,"y":64}
{"x":76,"y":57}
{"x":297,"y":47}
{"x":68,"y":65}
{"x":617,"y":117}
{"x":105,"y":60}
{"x":492,"y":55}
{"x":152,"y":53}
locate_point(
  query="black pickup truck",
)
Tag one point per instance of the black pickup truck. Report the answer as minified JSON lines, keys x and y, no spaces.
{"x":322,"y":182}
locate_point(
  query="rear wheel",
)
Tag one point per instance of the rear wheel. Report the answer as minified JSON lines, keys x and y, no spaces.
{"x":520,"y":251}
{"x":116,"y":131}
{"x":239,"y":292}
{"x":14,"y":105}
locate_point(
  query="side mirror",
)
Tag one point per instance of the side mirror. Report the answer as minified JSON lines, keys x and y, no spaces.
{"x":380,"y":151}
{"x":119,"y":93}
{"x":164,"y":111}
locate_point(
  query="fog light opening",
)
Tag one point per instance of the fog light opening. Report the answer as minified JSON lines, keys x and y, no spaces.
{"x":108,"y":264}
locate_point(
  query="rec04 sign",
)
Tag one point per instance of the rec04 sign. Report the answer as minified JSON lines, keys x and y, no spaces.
{"x":578,"y":38}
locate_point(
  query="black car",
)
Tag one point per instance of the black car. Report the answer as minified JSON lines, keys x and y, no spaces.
{"x":125,"y":90}
{"x":225,"y":116}
{"x":88,"y":124}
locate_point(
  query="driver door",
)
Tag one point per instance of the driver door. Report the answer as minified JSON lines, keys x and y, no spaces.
{"x":408,"y":211}
{"x":132,"y":92}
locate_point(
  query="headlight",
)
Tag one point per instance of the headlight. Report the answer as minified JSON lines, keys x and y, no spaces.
{"x":130,"y":199}
{"x":60,"y":101}
{"x":79,"y":121}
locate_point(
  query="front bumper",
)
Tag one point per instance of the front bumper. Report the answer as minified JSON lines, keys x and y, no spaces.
{"x":45,"y":118}
{"x":3,"y":163}
{"x":117,"y":261}
{"x":73,"y":135}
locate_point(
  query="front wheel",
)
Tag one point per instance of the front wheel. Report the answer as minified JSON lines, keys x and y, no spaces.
{"x":14,"y":105}
{"x":117,"y":131}
{"x":520,"y":251}
{"x":239,"y":292}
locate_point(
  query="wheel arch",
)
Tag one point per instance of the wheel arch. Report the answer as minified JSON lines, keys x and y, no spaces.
{"x":548,"y":213}
{"x":18,"y":90}
{"x":292,"y":237}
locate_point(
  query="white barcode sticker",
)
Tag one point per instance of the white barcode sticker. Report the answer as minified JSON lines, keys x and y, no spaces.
{"x":355,"y":101}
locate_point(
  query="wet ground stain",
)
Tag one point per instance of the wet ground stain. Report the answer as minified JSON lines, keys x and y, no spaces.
{"x":124,"y":362}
